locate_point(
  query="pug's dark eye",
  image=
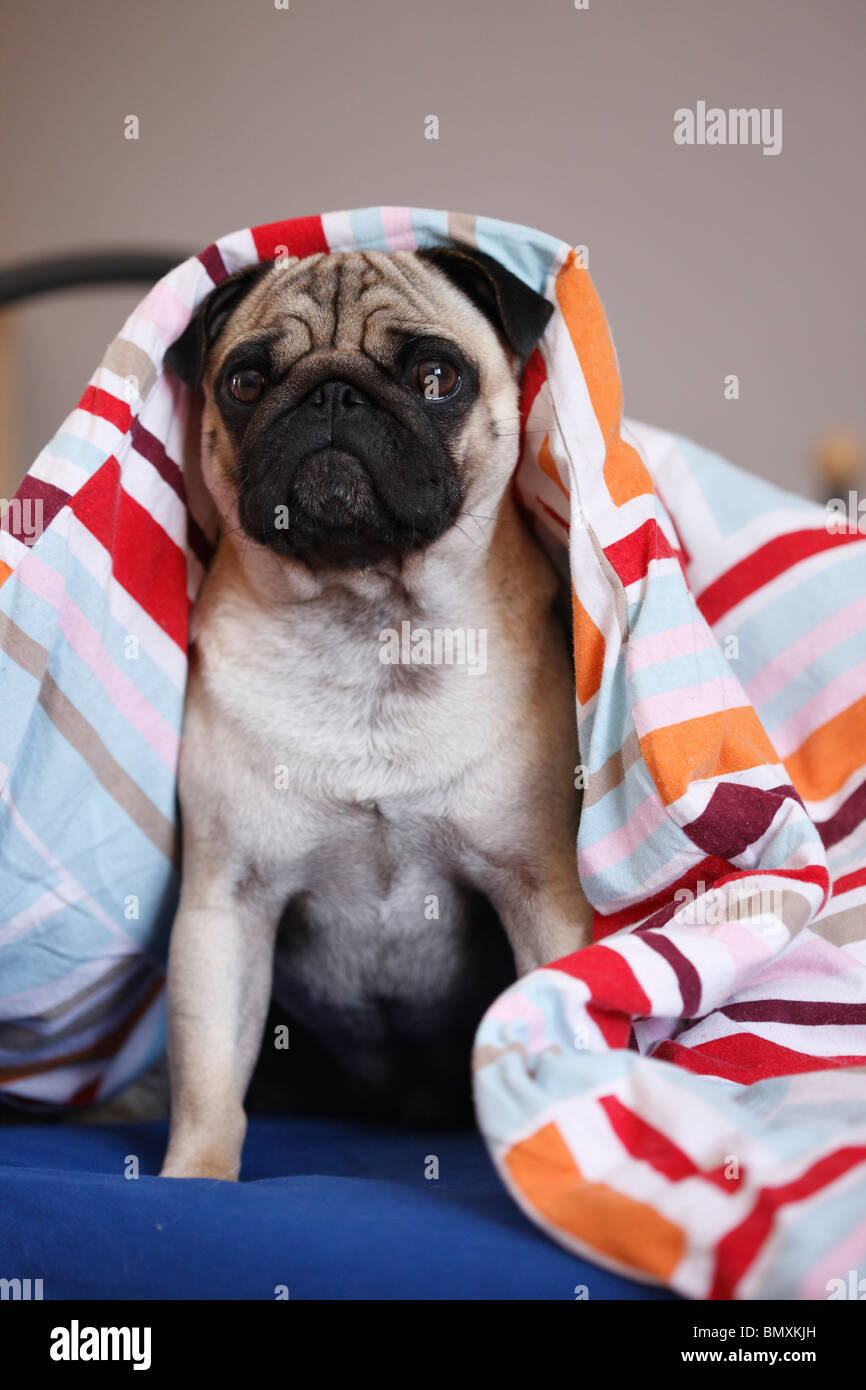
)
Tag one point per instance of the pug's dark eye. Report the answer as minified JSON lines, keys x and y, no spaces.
{"x":246,"y":386}
{"x":434,"y":378}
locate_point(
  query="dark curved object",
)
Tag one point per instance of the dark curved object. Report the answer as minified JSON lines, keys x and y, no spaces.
{"x":45,"y":275}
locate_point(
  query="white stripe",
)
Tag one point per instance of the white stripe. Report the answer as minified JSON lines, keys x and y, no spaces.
{"x":337,"y":227}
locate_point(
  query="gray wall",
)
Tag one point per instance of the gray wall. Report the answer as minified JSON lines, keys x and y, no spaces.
{"x":709,"y":260}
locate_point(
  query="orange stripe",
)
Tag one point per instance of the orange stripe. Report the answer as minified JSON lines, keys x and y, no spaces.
{"x":588,"y":650}
{"x":631,"y":1232}
{"x":709,"y":746}
{"x":5,"y":572}
{"x":547,"y":464}
{"x":821,"y":765}
{"x":624,"y":472}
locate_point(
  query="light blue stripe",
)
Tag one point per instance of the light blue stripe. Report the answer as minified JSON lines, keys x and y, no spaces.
{"x":368,"y":229}
{"x":736,"y":497}
{"x":795,"y":613}
{"x":812,"y":1231}
{"x":19,"y":691}
{"x":793,"y":696}
{"x":430,"y":228}
{"x":677,"y":673}
{"x":521,"y":250}
{"x":624,"y":878}
{"x":614,"y":809}
{"x":82,"y":452}
{"x":122,"y":740}
{"x":667,"y":605}
{"x":606,"y":728}
{"x":90,"y":834}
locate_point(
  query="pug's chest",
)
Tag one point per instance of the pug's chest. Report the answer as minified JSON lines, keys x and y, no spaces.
{"x":386,"y":960}
{"x":345,"y":732}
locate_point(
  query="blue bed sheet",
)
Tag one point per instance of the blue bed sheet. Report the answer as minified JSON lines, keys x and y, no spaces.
{"x":327,"y":1209}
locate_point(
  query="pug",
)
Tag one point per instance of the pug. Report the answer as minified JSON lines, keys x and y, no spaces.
{"x":378,"y":837}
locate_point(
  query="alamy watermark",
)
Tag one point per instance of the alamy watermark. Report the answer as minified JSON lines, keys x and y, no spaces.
{"x":703,"y":908}
{"x":438,"y":646}
{"x":22,"y":516}
{"x":846,"y":518}
{"x":712,"y":125}
{"x":22,"y":1290}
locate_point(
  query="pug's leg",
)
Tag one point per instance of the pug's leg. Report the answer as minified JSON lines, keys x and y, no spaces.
{"x":219,"y":985}
{"x":543,"y":909}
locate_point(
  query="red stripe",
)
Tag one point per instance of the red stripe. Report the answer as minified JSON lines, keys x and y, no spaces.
{"x":644,"y":1142}
{"x":145,"y":561}
{"x":631,"y":556}
{"x":737,"y":1250}
{"x":98,"y":402}
{"x":616,"y":994}
{"x":745,"y":1057}
{"x":649,"y":1145}
{"x":756,"y":570}
{"x":86,"y":1094}
{"x":707,"y":872}
{"x":534,"y":377}
{"x":813,"y":874}
{"x":303,"y":236}
{"x":562,"y":522}
{"x":849,"y":881}
{"x":610,"y":978}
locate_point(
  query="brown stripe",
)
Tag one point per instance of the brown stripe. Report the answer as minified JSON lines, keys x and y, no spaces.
{"x":611,"y":773}
{"x":71,"y":723}
{"x":843,"y":927}
{"x":128,"y":359}
{"x":105,"y":1047}
{"x":26,"y":653}
{"x":461,"y":227}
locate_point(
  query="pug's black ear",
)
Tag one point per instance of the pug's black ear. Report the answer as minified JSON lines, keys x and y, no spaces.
{"x":519,"y":313}
{"x":187,"y":357}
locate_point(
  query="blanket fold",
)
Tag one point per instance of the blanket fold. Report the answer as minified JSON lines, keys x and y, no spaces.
{"x":683,"y":1100}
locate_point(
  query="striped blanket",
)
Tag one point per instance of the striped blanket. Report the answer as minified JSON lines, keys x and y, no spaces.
{"x":684,"y":1099}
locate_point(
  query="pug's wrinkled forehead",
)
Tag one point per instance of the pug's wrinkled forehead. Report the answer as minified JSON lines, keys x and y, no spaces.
{"x":365,"y":301}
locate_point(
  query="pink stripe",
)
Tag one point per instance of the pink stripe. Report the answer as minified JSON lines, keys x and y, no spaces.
{"x":687,"y":702}
{"x":514,"y":1006}
{"x":749,"y":948}
{"x":83,"y":638}
{"x":796,"y":658}
{"x":40,"y":579}
{"x":399,"y":231}
{"x":620,"y":843}
{"x":658,"y":647}
{"x":829,"y":701}
{"x":165,"y":311}
{"x":808,"y":961}
{"x":129,"y":701}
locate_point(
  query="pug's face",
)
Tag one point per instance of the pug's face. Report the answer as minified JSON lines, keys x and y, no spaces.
{"x":357,"y":403}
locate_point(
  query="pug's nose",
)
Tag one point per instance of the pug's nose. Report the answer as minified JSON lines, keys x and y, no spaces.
{"x":333,"y":398}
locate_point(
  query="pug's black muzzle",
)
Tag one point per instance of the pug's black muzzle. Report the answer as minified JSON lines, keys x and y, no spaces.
{"x":343,"y":470}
